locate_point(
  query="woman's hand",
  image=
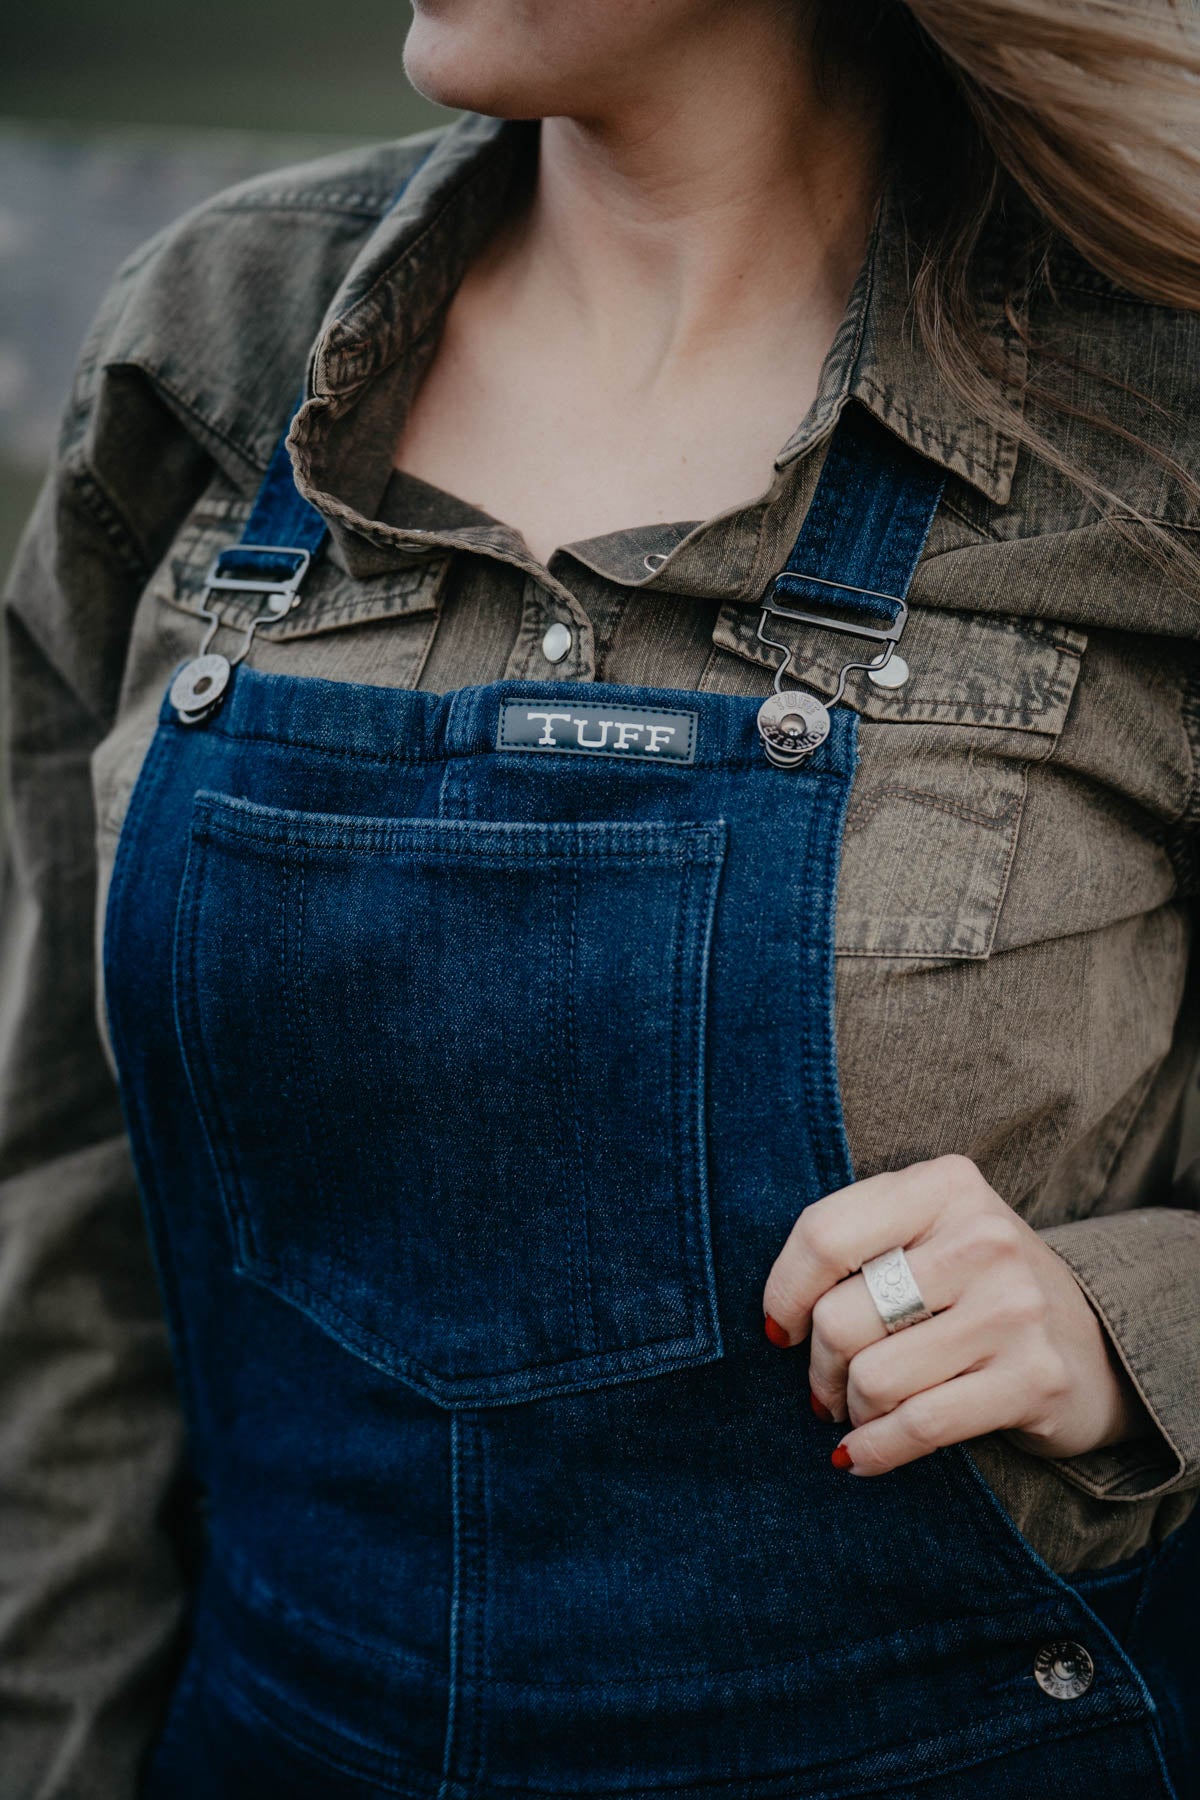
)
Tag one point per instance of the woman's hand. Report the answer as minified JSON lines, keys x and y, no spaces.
{"x":1013,"y":1344}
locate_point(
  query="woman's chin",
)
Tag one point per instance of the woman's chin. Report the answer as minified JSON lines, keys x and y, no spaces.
{"x":452,"y":67}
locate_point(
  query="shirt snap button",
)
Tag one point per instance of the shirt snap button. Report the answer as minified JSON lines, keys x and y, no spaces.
{"x":1063,"y":1669}
{"x":893,"y":674}
{"x":556,"y":642}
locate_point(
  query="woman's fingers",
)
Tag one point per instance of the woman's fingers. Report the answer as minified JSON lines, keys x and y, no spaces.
{"x":1013,"y":1344}
{"x":982,"y":1400}
{"x":846,"y":1321}
{"x":886,"y":1374}
{"x":964,"y":1266}
{"x":834,"y":1236}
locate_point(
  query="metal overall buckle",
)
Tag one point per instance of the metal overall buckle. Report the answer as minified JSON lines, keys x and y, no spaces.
{"x":792,"y":722}
{"x":200,"y":685}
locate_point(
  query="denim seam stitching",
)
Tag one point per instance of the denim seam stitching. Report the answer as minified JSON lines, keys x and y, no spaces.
{"x":596,"y":1366}
{"x":205,"y":1096}
{"x":154,"y":771}
{"x":579,"y":1276}
{"x":479,"y":1437}
{"x":453,"y":1627}
{"x":325,"y":1163}
{"x":680,"y":966}
{"x":401,"y":759}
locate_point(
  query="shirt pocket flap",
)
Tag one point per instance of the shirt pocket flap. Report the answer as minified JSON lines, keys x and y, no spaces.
{"x":329,"y":599}
{"x":964,"y":668}
{"x":935,"y":812}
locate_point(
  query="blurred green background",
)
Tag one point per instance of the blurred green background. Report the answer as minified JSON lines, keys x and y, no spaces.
{"x":114,"y":119}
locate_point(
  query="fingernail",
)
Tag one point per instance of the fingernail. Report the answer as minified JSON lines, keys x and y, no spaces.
{"x":820,"y":1408}
{"x":775,"y":1332}
{"x":841,"y":1458}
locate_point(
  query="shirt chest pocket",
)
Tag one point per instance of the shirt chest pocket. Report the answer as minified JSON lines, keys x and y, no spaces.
{"x":935,"y":814}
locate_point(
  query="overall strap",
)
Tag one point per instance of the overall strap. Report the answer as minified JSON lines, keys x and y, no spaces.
{"x":863,"y":534}
{"x":850,"y":568}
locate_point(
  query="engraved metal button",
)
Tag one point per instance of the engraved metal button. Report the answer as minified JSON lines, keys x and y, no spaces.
{"x":893,"y":674}
{"x":1063,"y":1669}
{"x":199,"y":685}
{"x":792,"y":724}
{"x":556,"y":642}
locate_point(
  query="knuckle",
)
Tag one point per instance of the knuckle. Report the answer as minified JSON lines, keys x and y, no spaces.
{"x":1021,"y":1306}
{"x":965,"y":1190}
{"x":817,"y":1233}
{"x":993,"y":1237}
{"x":958,"y":1176}
{"x":869,"y":1390}
{"x":958,"y":1168}
{"x":829,"y":1322}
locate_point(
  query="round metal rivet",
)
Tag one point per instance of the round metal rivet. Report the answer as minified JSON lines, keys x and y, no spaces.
{"x":556,"y":642}
{"x":792,"y":724}
{"x":280,"y":603}
{"x":1063,"y":1669}
{"x":893,"y":674}
{"x":200,"y":684}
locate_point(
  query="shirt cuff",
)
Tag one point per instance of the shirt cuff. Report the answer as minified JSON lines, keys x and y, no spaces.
{"x":1141,"y":1272}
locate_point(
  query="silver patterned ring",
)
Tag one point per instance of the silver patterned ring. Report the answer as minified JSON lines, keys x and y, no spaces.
{"x":893,"y":1287}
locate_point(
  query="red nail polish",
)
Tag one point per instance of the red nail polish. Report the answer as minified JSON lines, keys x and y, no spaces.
{"x":841,"y":1458}
{"x":775,"y":1332}
{"x":819,"y":1407}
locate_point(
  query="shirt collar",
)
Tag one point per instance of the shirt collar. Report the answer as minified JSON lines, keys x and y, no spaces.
{"x":368,"y":356}
{"x":892,"y":373}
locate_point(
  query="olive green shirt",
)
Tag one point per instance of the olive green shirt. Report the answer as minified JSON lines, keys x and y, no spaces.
{"x":1020,"y":867}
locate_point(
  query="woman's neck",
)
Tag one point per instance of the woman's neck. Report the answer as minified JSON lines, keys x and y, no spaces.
{"x":648,"y":326}
{"x":726,"y":194}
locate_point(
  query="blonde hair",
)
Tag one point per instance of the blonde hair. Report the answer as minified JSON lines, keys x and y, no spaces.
{"x":1079,"y":118}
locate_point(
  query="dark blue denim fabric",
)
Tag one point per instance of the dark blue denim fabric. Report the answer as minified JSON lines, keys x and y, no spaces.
{"x":472,"y":1091}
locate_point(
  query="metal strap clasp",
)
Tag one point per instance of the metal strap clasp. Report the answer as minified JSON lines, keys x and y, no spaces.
{"x":793,"y":722}
{"x":200,"y":685}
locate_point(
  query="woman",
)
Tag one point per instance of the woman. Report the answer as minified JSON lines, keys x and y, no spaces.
{"x":467,"y":862}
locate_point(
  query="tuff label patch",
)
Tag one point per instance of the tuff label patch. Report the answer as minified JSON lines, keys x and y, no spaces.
{"x":598,"y":728}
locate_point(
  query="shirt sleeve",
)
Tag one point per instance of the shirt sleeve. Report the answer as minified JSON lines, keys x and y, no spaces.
{"x":1141,"y":1272}
{"x":90,"y":1431}
{"x":1140,"y":1269}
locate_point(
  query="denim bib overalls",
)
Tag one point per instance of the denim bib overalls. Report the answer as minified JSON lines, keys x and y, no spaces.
{"x":477,"y":1055}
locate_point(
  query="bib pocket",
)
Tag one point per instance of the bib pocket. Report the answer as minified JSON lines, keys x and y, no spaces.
{"x":452,"y":1077}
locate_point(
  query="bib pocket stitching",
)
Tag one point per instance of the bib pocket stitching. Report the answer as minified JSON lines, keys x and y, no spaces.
{"x":630,"y":1342}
